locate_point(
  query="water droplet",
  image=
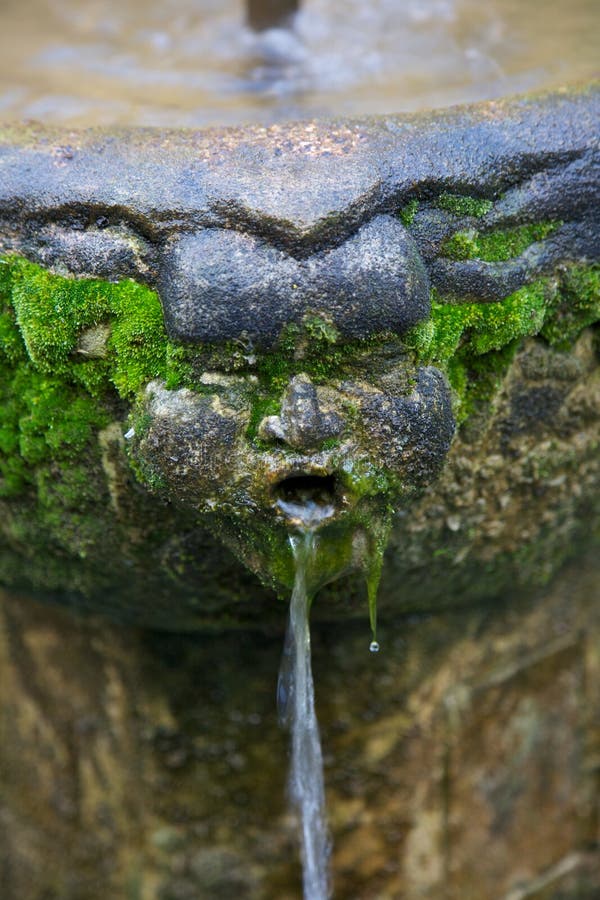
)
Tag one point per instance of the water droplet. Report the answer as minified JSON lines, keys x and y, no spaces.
{"x":374,"y":647}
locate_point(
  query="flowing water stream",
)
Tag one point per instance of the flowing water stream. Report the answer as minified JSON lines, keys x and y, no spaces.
{"x":296,"y":707}
{"x":308,"y":504}
{"x":296,"y":701}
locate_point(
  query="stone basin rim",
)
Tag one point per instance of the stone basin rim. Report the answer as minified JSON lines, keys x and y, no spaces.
{"x":372,"y":143}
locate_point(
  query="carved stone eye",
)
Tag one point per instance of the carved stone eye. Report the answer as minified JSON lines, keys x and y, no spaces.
{"x":218,"y":283}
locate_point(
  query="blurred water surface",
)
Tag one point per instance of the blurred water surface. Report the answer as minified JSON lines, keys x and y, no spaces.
{"x":193,"y":62}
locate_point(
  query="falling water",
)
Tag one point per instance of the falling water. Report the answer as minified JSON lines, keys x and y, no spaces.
{"x":296,"y":705}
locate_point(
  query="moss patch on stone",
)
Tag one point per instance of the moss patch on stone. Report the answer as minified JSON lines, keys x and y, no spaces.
{"x":70,"y":351}
{"x":263,"y":544}
{"x":315,"y":348}
{"x":487,"y":326}
{"x":463,"y":205}
{"x":408,"y":212}
{"x":577,"y":306}
{"x":498,"y":245}
{"x":75,"y":352}
{"x":54,"y":315}
{"x":59,"y":335}
{"x":474,"y":342}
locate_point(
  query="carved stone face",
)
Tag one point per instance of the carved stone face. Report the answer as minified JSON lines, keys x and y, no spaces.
{"x":327,"y":447}
{"x":323,"y":284}
{"x":318,"y":413}
{"x":299,"y":441}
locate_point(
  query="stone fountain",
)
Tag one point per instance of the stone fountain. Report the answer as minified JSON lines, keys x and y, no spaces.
{"x":208,"y":334}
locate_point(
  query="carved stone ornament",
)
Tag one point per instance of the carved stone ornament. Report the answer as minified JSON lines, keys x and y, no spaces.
{"x":390,"y":324}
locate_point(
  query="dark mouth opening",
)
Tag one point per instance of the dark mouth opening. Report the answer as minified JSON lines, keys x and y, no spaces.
{"x":300,"y":489}
{"x":307,"y":498}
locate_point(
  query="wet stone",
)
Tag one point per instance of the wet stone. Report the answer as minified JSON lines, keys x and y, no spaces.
{"x":463,"y":759}
{"x":375,"y":307}
{"x":383,"y":332}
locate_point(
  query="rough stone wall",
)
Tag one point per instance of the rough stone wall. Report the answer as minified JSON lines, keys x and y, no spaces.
{"x":462,"y":763}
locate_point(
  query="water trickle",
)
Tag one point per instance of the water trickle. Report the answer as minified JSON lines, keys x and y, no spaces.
{"x":296,"y":707}
{"x":373,"y":568}
{"x":308,"y":504}
{"x":307,"y":501}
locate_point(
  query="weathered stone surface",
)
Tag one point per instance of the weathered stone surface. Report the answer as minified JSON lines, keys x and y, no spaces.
{"x":430,"y":279}
{"x":307,"y":183}
{"x":461,"y":761}
{"x":305,"y":205}
{"x":362,"y":304}
{"x":374,"y":281}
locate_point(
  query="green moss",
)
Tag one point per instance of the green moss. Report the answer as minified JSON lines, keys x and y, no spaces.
{"x":72,"y":490}
{"x":72,"y":350}
{"x":179,"y":366}
{"x":480,"y":379}
{"x":486,"y":326}
{"x":463,"y":205}
{"x":263,"y":405}
{"x":461,"y":245}
{"x":69,"y":348}
{"x":474,"y":342}
{"x":138,"y":337}
{"x":578,"y":306}
{"x":498,"y":245}
{"x":362,"y":479}
{"x":54,"y":314}
{"x":458,"y":204}
{"x":408,"y":212}
{"x":314,"y":347}
{"x":43,"y":421}
{"x":265,"y":545}
{"x":319,"y":330}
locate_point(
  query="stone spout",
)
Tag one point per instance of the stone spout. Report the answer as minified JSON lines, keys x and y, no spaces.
{"x":211,"y":338}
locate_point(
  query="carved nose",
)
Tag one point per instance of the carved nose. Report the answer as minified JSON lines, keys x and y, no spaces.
{"x":303,"y":424}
